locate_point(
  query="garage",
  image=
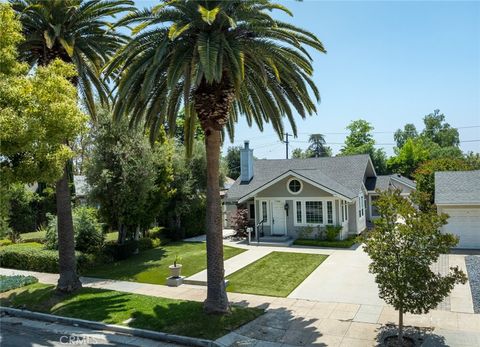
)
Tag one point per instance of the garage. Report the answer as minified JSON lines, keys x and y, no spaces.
{"x":465,"y":223}
{"x":458,"y":195}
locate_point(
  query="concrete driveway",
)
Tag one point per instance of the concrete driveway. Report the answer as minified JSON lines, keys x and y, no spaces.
{"x":344,"y":278}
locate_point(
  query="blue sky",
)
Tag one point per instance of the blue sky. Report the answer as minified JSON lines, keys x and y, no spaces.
{"x":389,"y":63}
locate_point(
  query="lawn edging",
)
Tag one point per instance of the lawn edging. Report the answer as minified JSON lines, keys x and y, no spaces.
{"x":149,"y":334}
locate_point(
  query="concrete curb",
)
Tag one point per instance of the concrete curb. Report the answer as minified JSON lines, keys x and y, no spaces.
{"x":148,"y":334}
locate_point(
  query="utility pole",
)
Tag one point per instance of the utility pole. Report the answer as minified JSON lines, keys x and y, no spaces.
{"x":286,"y":144}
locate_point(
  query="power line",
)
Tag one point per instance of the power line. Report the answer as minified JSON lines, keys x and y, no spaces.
{"x":392,"y":132}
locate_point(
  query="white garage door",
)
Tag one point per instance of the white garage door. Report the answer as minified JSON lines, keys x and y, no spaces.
{"x":465,"y":223}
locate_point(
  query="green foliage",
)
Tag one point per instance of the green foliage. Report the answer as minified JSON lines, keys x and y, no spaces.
{"x":130,"y":180}
{"x":233,"y":162}
{"x":332,"y":232}
{"x":10,"y":38}
{"x":412,"y":153}
{"x":425,"y":174}
{"x":402,"y":246}
{"x":32,"y":256}
{"x":306,"y":232}
{"x":12,"y":282}
{"x":268,"y":71}
{"x":317,"y":147}
{"x":347,"y":243}
{"x":361,"y":141}
{"x":440,"y":132}
{"x":5,"y":242}
{"x":38,"y":114}
{"x":22,"y":216}
{"x":89,"y":236}
{"x":76,"y":32}
{"x":402,"y":136}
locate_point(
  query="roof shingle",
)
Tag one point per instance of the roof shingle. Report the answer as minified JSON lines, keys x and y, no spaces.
{"x":457,"y":187}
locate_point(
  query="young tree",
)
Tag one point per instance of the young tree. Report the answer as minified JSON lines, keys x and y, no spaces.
{"x":402,"y":246}
{"x":76,"y":32}
{"x":221,"y":60}
{"x":409,"y":156}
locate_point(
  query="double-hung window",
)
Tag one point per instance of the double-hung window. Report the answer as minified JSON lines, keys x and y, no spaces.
{"x":264,"y":211}
{"x":299,"y":212}
{"x":329,"y":212}
{"x":314,"y":212}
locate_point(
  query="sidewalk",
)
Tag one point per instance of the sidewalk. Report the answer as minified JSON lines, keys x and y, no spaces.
{"x":296,"y":322}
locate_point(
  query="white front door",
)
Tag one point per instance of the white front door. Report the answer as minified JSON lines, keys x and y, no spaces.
{"x":278,"y":218}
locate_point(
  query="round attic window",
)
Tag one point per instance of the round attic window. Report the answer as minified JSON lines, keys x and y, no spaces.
{"x":294,"y":186}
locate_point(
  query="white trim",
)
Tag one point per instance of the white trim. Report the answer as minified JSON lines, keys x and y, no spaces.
{"x":458,"y":204}
{"x":404,"y":183}
{"x":288,"y":186}
{"x":292,"y":173}
{"x":304,"y":211}
{"x":272,"y":227}
{"x":260,"y":210}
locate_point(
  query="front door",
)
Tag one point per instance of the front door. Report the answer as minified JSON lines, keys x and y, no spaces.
{"x":278,"y":218}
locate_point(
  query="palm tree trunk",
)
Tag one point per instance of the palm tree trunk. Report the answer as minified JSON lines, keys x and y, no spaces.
{"x":217,"y":301}
{"x":68,"y":281}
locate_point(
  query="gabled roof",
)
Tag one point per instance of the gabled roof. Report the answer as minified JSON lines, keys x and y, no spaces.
{"x":457,"y":187}
{"x":343,"y":175}
{"x":384,"y":182}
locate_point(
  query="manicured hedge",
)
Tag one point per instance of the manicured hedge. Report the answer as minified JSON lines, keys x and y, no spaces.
{"x":16,"y":281}
{"x":324,"y":243}
{"x":32,"y":256}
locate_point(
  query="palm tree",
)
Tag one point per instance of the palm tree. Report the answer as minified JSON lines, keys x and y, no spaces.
{"x":76,"y":32}
{"x":219,"y":60}
{"x":317,"y":146}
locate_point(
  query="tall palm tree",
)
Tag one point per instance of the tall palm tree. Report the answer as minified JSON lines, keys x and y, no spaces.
{"x":219,"y":60}
{"x":76,"y":32}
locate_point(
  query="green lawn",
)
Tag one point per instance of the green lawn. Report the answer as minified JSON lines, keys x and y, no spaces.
{"x":113,"y":236}
{"x":276,"y":274}
{"x":148,"y":312}
{"x":347,"y":243}
{"x":151,"y":266}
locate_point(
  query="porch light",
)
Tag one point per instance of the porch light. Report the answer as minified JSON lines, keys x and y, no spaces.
{"x":286,"y":208}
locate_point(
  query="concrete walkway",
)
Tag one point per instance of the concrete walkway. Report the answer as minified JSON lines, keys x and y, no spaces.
{"x":296,"y":322}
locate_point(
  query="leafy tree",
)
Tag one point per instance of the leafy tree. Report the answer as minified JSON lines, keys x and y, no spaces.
{"x":233,"y":162}
{"x":409,"y":156}
{"x":76,"y":32}
{"x":129,"y":179}
{"x":440,"y":132}
{"x":402,"y":246}
{"x":317,"y":146}
{"x":425,"y":174}
{"x":361,"y":141}
{"x":220,"y":59}
{"x":298,"y":153}
{"x":38,"y":113}
{"x":473,"y":160}
{"x":402,"y":136}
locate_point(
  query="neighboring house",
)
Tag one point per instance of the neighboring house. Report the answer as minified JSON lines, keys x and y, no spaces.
{"x":457,"y":193}
{"x":290,"y":194}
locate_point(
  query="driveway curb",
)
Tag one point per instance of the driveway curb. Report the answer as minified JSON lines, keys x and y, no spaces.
{"x":149,"y":334}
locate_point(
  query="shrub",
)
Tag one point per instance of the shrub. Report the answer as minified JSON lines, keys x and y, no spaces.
{"x":332,"y":232}
{"x":12,"y":282}
{"x":5,"y":242}
{"x":32,"y":256}
{"x":306,"y":232}
{"x":22,"y":213}
{"x":89,"y":237}
{"x":240,"y":222}
{"x":120,"y":251}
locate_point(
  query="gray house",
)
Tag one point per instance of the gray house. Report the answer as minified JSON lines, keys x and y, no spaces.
{"x":458,"y":195}
{"x":284,"y":196}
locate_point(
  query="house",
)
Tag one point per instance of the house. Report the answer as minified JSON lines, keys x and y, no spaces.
{"x":458,"y":195}
{"x":285,"y":196}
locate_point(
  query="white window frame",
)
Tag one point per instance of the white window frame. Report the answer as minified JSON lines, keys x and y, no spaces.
{"x":324,"y":211}
{"x":361,"y":205}
{"x":288,"y":186}
{"x":260,"y":208}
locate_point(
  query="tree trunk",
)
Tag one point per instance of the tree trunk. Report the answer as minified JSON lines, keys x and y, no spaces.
{"x":400,"y":326}
{"x":68,"y":281}
{"x":217,"y":301}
